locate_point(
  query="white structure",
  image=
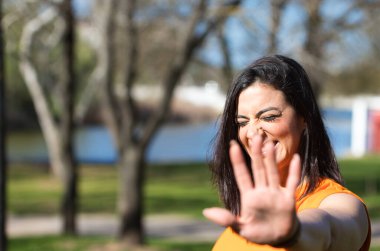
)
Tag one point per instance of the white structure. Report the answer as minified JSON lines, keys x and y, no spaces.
{"x":208,"y":95}
{"x":359,"y":126}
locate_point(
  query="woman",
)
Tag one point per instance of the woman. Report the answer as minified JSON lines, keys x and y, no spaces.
{"x":276,"y":171}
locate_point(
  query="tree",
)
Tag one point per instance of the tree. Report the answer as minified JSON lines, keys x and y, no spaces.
{"x":322,"y":31}
{"x":132,"y":135}
{"x":3,"y":162}
{"x":69,"y":203}
{"x":57,"y":129}
{"x":277,"y":9}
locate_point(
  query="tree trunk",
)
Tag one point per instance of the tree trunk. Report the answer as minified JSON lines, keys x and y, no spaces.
{"x":69,"y":202}
{"x":226,"y":52}
{"x":314,"y":45}
{"x":50,"y":131}
{"x":58,"y":137}
{"x":3,"y":162}
{"x":130,"y":203}
{"x":132,"y":136}
{"x":277,"y":8}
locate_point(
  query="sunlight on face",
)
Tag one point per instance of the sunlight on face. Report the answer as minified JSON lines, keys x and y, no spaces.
{"x":264,"y":110}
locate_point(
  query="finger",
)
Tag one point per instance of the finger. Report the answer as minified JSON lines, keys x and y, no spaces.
{"x":242,"y":176}
{"x":220,"y":216}
{"x":294,"y":175}
{"x":258,"y":167}
{"x":271,"y":165}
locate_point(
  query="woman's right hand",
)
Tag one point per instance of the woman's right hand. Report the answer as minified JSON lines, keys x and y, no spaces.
{"x":268,"y":214}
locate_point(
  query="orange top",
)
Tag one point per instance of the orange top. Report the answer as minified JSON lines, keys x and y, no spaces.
{"x":230,"y":241}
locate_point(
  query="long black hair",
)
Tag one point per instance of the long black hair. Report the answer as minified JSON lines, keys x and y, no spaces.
{"x":317,"y":155}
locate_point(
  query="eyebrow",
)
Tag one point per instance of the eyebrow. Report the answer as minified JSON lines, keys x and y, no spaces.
{"x":258,"y":114}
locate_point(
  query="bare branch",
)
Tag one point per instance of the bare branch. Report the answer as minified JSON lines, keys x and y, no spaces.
{"x":227,"y":66}
{"x":129,"y":107}
{"x":277,"y":7}
{"x":30,"y":75}
{"x":192,"y":43}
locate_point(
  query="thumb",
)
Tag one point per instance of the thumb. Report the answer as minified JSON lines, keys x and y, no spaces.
{"x":220,"y":216}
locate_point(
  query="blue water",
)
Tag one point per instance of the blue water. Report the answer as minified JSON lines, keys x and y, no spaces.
{"x":338,"y":126}
{"x":189,"y":143}
{"x":186,"y":143}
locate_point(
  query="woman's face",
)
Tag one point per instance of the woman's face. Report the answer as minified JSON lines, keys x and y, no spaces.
{"x":264,"y":110}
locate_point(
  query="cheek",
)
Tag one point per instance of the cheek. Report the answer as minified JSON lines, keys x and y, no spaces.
{"x":287,"y":136}
{"x":291,"y":138}
{"x":242,"y":135}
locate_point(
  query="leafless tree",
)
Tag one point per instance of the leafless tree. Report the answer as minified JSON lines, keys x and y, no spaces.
{"x":227,"y":68}
{"x":277,"y":9}
{"x":321,"y":32}
{"x":3,"y":162}
{"x":131,"y":135}
{"x":69,"y":202}
{"x":57,"y":132}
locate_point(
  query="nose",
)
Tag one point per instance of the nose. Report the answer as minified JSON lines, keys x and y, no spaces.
{"x":254,"y":129}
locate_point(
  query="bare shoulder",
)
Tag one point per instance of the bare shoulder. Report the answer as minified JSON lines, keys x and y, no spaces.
{"x":348,"y":212}
{"x":344,"y":202}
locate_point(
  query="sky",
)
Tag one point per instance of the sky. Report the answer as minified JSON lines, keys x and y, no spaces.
{"x":247,"y":46}
{"x":82,"y":7}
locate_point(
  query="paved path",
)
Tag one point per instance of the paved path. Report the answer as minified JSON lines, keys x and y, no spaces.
{"x":163,"y":226}
{"x":172,"y":227}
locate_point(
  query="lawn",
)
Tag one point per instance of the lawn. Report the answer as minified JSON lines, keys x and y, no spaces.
{"x":96,"y":243}
{"x":180,"y":189}
{"x":363,"y":177}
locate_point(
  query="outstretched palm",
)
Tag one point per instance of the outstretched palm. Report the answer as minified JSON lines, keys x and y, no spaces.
{"x":267,"y":209}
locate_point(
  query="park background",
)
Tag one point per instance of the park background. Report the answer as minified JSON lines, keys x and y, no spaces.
{"x":112,"y":107}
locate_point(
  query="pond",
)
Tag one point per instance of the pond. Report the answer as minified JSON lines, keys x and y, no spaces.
{"x":173,"y":143}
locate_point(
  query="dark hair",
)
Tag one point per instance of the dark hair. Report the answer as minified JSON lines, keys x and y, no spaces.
{"x":286,"y":75}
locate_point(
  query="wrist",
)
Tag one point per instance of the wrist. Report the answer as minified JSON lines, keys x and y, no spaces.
{"x":292,"y":239}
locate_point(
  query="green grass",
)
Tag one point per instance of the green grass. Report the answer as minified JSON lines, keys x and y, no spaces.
{"x":96,"y":243}
{"x":179,"y":189}
{"x":363,"y":177}
{"x":180,"y":246}
{"x":57,"y":243}
{"x":182,"y":189}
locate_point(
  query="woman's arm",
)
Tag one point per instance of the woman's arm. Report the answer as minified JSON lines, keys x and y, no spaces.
{"x":268,"y":213}
{"x":340,"y":221}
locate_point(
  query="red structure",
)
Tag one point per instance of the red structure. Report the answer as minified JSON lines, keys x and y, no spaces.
{"x":374,"y":132}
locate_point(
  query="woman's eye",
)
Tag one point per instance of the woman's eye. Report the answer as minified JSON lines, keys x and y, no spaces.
{"x":270,"y":118}
{"x":242,"y":123}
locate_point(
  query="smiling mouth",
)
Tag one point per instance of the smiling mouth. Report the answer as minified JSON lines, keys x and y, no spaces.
{"x":275,"y":142}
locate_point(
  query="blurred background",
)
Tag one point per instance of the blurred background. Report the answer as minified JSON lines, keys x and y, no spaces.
{"x":112,"y":107}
